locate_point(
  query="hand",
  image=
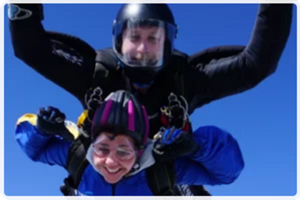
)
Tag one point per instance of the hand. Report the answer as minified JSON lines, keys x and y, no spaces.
{"x":93,"y":100}
{"x":24,"y":11}
{"x":52,"y":122}
{"x":173,"y":143}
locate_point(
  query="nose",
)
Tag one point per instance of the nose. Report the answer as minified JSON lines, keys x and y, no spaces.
{"x":111,"y":160}
{"x":143,"y":47}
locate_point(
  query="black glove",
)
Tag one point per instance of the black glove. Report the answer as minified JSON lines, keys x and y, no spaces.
{"x":93,"y":100}
{"x":52,"y":122}
{"x":23,"y":11}
{"x":177,"y":111}
{"x":173,"y":143}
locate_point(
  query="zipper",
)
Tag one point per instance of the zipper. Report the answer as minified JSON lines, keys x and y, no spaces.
{"x":113,"y":189}
{"x":113,"y":186}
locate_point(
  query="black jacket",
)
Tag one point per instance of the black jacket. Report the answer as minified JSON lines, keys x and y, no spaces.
{"x":202,"y":77}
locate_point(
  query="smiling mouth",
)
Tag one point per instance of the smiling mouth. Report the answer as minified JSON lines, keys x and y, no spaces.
{"x":112,"y":171}
{"x":135,"y":61}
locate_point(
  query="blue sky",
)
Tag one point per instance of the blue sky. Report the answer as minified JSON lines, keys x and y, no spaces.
{"x":263,"y":119}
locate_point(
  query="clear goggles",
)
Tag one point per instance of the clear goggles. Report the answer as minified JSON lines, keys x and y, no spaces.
{"x":143,"y":43}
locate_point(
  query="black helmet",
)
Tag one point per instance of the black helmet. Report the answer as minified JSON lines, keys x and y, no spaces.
{"x":133,"y":16}
{"x":121,"y":113}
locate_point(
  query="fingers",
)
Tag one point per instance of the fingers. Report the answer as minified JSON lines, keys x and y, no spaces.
{"x":51,"y":114}
{"x":93,"y":98}
{"x":41,"y":112}
{"x":170,"y":139}
{"x":56,"y":116}
{"x":173,"y":143}
{"x":44,"y":113}
{"x":170,"y":135}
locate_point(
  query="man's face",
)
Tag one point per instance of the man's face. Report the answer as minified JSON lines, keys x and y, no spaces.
{"x":143,"y":46}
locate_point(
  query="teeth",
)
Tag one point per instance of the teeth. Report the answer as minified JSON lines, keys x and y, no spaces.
{"x":112,"y":171}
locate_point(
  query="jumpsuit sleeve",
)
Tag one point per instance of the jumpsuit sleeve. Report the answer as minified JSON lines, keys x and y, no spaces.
{"x":218,"y":161}
{"x":54,"y":60}
{"x":221,"y":77}
{"x":39,"y":147}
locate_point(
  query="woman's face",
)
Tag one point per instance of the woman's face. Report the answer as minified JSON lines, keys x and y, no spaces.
{"x":143,"y":45}
{"x":114,"y":156}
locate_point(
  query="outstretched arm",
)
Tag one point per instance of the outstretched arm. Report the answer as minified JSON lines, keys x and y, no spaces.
{"x":216,"y":78}
{"x":218,"y":160}
{"x":66,"y":66}
{"x":40,"y":147}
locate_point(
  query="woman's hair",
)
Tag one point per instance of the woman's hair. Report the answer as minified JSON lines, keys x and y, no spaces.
{"x":121,"y":113}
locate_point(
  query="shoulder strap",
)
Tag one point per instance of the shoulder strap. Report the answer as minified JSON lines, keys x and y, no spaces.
{"x":76,"y":158}
{"x":180,"y":54}
{"x":181,"y":61}
{"x":107,"y":58}
{"x":76,"y":164}
{"x":106,"y":61}
{"x":161,"y":178}
{"x":106,"y":65}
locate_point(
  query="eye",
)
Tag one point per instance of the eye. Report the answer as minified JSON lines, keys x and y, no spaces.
{"x":152,"y":39}
{"x":123,"y":153}
{"x":103,"y":151}
{"x":134,"y":37}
